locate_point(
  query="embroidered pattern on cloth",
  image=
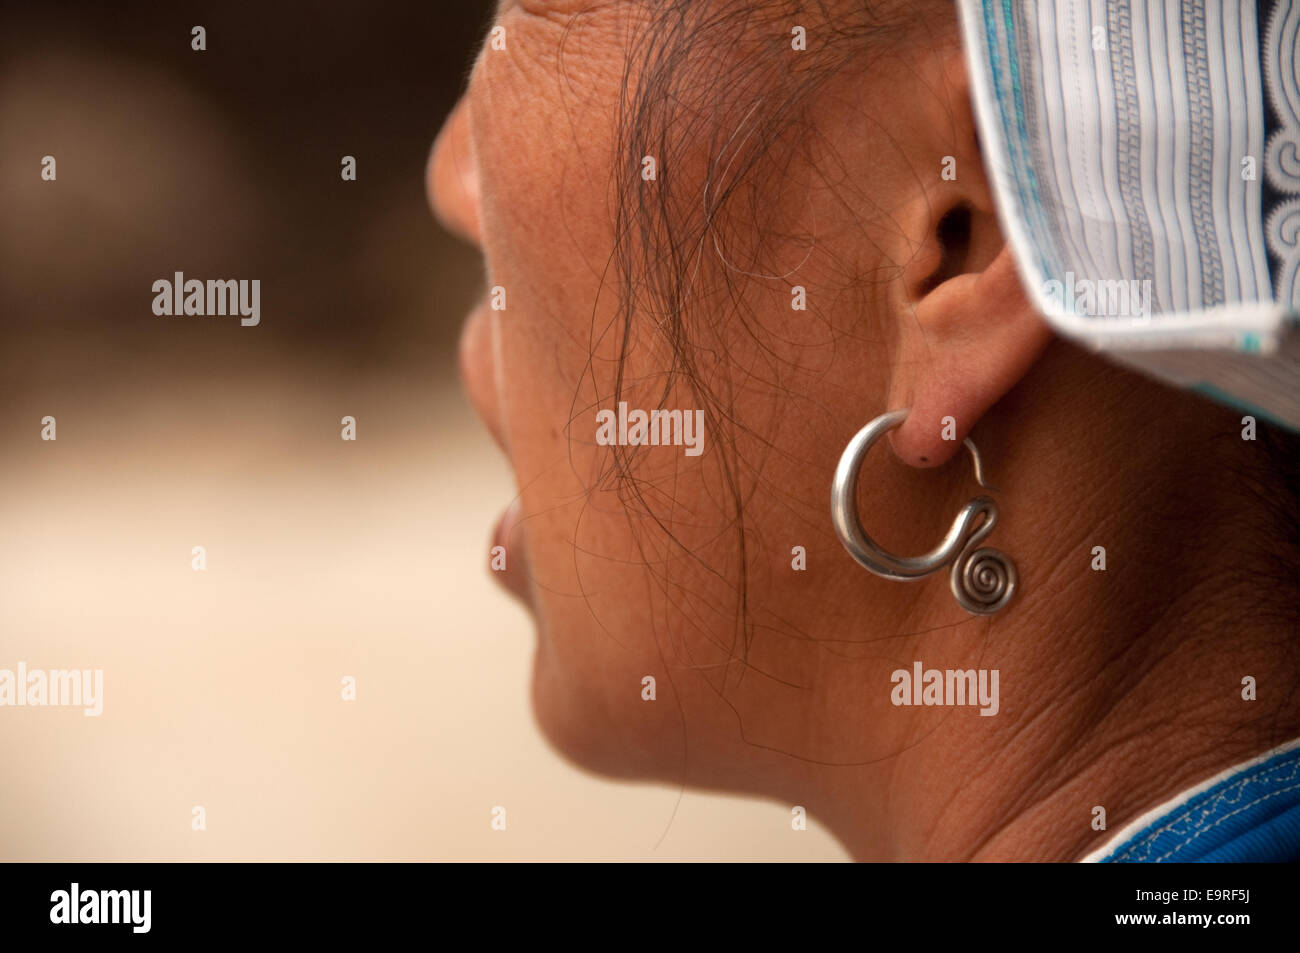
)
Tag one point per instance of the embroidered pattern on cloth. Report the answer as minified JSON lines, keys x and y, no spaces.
{"x":1228,"y":811}
{"x":1151,"y":145}
{"x":1282,"y":165}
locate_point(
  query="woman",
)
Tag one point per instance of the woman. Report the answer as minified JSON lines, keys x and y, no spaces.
{"x":778,"y":222}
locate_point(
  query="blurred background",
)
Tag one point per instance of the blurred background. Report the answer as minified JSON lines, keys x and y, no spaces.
{"x":325,"y":558}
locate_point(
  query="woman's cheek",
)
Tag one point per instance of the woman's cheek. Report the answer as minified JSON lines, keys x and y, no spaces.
{"x":544,"y":151}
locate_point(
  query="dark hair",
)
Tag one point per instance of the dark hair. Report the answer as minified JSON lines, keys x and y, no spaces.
{"x":717,"y":94}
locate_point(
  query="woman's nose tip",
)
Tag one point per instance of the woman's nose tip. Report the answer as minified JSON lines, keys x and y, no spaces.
{"x":451,"y":178}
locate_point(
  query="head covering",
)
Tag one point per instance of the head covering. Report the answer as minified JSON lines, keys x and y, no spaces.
{"x":1145,"y":161}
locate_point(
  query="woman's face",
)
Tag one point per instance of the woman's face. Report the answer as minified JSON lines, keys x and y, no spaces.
{"x":652,"y":258}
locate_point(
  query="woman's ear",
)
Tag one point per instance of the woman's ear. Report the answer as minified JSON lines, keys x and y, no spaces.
{"x":972,"y":333}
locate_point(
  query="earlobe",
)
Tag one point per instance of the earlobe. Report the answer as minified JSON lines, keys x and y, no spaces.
{"x":975,"y":335}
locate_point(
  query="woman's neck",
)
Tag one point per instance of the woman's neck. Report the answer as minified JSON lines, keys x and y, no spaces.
{"x":1119,"y":687}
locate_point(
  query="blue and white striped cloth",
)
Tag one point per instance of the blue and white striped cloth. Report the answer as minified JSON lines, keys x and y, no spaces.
{"x":1145,"y":159}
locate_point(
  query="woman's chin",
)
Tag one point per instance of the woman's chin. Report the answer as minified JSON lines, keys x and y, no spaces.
{"x":598,"y":745}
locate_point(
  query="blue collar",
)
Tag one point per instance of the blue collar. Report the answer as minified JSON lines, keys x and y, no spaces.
{"x":1250,"y":812}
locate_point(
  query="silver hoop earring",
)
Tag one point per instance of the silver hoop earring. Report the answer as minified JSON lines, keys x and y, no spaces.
{"x":982,"y":580}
